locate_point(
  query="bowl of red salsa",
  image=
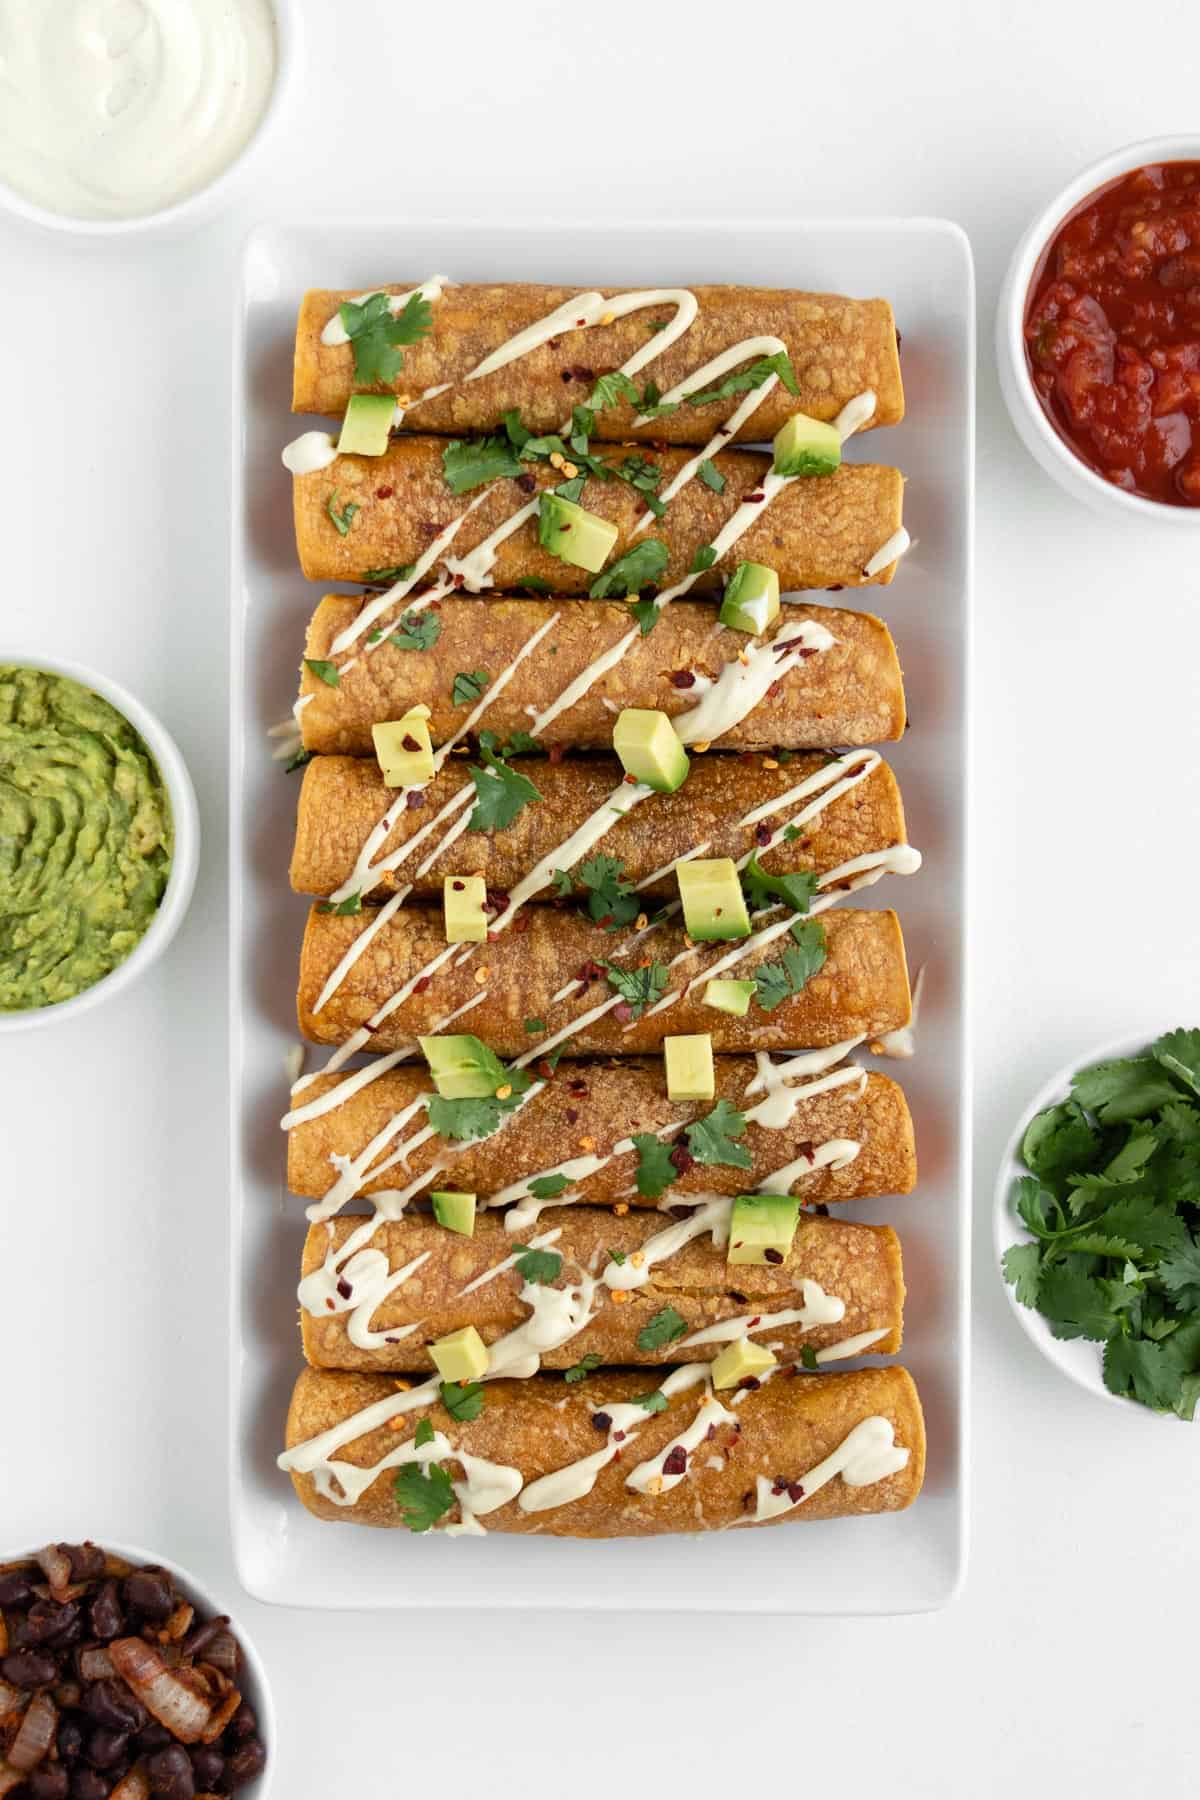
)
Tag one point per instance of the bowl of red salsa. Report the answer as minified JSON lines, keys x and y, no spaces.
{"x":1098,"y":333}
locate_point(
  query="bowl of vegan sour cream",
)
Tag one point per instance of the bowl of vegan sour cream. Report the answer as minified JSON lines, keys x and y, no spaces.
{"x":120,"y":114}
{"x":99,"y":840}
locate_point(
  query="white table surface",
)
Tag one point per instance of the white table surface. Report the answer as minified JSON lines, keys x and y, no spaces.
{"x":1066,"y":1665}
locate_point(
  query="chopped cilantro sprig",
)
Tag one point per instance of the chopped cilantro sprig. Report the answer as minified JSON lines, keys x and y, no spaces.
{"x":1112,"y":1207}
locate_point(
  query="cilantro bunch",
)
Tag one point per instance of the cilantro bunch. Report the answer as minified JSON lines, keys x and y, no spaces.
{"x":1112,"y":1202}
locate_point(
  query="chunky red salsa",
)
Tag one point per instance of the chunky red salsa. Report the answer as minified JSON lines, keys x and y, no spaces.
{"x":1112,"y":332}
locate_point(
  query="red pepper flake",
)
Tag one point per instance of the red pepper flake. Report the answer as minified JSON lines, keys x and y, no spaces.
{"x":762,"y":834}
{"x":749,"y":1382}
{"x":794,"y":1492}
{"x":606,"y":921}
{"x":459,"y":580}
{"x":589,"y":971}
{"x":553,"y":343}
{"x":415,"y":801}
{"x":773,"y":1256}
{"x":683,"y":678}
{"x":723,"y":431}
{"x":581,"y":321}
{"x":409,"y":742}
{"x":428,"y":528}
{"x":579,"y":1087}
{"x":624,"y":1012}
{"x":601,"y":1420}
{"x":756,"y":1320}
{"x":526,"y":483}
{"x":632,"y":780}
{"x":420,"y":986}
{"x":755,"y":497}
{"x":458,"y":886}
{"x":524,"y":921}
{"x":331,"y":1304}
{"x":835,"y":587}
{"x":681,"y":1159}
{"x":495,"y":902}
{"x":544,"y":1069}
{"x":572,"y":1116}
{"x":806,"y":1150}
{"x":676,"y":1462}
{"x":384,"y":493}
{"x":557,"y":752}
{"x":344,"y":1288}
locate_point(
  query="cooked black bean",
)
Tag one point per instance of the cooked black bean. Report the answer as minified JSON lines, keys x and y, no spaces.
{"x":149,"y":1592}
{"x":89,"y":1784}
{"x":247,"y":1761}
{"x":70,"y":1739}
{"x":29,"y":1669}
{"x":152,"y":1737}
{"x":53,"y":1624}
{"x":111,"y":1703}
{"x":50,"y":1784}
{"x":15,"y":1589}
{"x":86,"y":1560}
{"x":208,"y":1766}
{"x":108,"y":1619}
{"x":243,"y":1724}
{"x":170,"y":1774}
{"x":106,"y":1747}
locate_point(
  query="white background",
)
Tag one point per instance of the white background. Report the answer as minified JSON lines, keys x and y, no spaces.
{"x":1069,"y":1664}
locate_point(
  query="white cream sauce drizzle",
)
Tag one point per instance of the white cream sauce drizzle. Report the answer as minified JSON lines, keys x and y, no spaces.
{"x":851,"y":1346}
{"x":577,"y":1479}
{"x":741,"y":685}
{"x":650,"y":1477}
{"x":890,"y":551}
{"x":358,"y":1281}
{"x":869,"y":1454}
{"x":903,"y":1041}
{"x":819,"y":1308}
{"x":711,"y":1217}
{"x":311,"y":451}
{"x":543,"y":1242}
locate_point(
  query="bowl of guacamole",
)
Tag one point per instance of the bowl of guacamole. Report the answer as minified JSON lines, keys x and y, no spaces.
{"x":98,"y":840}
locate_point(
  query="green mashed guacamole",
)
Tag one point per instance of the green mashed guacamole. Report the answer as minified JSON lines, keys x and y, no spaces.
{"x":85,"y":838}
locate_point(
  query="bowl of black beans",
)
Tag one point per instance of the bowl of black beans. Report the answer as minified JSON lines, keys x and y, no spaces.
{"x":120,"y":1681}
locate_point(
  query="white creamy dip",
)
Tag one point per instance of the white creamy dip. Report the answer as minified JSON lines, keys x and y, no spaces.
{"x":114,"y":108}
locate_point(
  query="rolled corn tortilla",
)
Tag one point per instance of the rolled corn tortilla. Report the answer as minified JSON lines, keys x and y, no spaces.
{"x":862,"y":988}
{"x":856,"y":1440}
{"x":849,"y":693}
{"x":816,"y":532}
{"x":581,"y":1122}
{"x":838,"y":349}
{"x":343,"y":798}
{"x":834,"y":1267}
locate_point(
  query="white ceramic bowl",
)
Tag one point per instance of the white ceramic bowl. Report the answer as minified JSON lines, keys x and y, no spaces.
{"x":1028,"y":415}
{"x":1078,"y":1358}
{"x":253,"y":1682}
{"x":194,"y":207}
{"x":185,"y":819}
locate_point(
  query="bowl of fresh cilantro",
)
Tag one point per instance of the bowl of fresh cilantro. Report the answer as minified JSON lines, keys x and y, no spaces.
{"x":1097,"y":1222}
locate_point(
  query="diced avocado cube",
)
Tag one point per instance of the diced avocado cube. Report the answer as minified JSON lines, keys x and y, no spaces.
{"x":460,"y":1357}
{"x":761,"y":1228}
{"x":463,"y":898}
{"x":367,"y":425}
{"x":459,"y":1065}
{"x":739,"y":1360}
{"x":649,"y":750}
{"x":689,"y":1063}
{"x":713,"y":903}
{"x":456,"y":1212}
{"x":405,"y":750}
{"x":574,"y":534}
{"x":806,"y":446}
{"x":752,"y":598}
{"x":730,"y":996}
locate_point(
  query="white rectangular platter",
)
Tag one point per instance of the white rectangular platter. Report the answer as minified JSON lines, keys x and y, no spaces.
{"x":905,"y":1562}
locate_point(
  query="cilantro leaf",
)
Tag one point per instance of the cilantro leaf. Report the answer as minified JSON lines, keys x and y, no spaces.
{"x":424,"y":1434}
{"x":638,"y":568}
{"x":417,"y":631}
{"x":1180,"y":1275}
{"x":655,"y":1171}
{"x":327,"y":672}
{"x":617,"y":1256}
{"x":423,"y":1495}
{"x":298,"y":761}
{"x":583,"y":1368}
{"x":469,"y":686}
{"x":345,"y":909}
{"x":517,"y":434}
{"x":473,"y":462}
{"x":610,"y":897}
{"x":388,"y":577}
{"x":467,"y":1120}
{"x":1179,"y":1052}
{"x":1022,"y":1270}
{"x":572,"y":489}
{"x":704,"y":558}
{"x":1129,"y":1089}
{"x":655,"y":1402}
{"x":1076,"y":1305}
{"x":374,"y":334}
{"x":808,"y":1359}
{"x":1142,"y":1370}
{"x":640,"y":987}
{"x":547,"y":1187}
{"x":711,"y":476}
{"x":776,"y":982}
{"x":780,"y":364}
{"x":539,"y":1266}
{"x":663,"y":1328}
{"x":711,"y":1140}
{"x":463,"y":1399}
{"x":609,"y":389}
{"x":1058,"y":1139}
{"x":533,"y":1026}
{"x":646,"y":612}
{"x":501,"y":793}
{"x":644,"y":476}
{"x":762,"y":889}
